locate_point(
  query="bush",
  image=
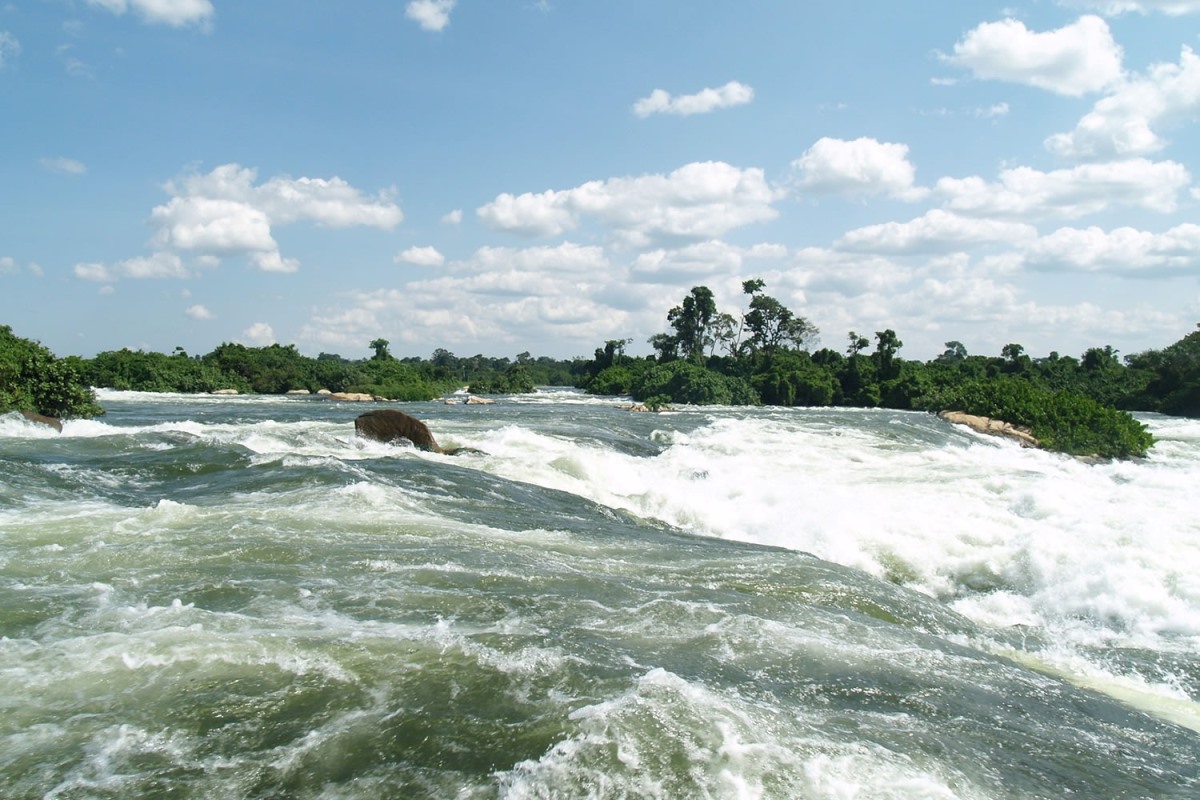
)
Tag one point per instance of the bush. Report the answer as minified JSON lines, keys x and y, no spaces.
{"x":685,"y":382}
{"x":1061,"y":421}
{"x":33,"y":379}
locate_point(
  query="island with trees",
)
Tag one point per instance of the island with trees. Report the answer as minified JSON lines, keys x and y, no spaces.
{"x":763,"y":355}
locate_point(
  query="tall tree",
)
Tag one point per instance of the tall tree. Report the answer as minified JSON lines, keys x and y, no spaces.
{"x":692,"y":321}
{"x":772,"y":324}
{"x":380,"y":346}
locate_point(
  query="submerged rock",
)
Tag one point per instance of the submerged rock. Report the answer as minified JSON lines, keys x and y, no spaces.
{"x":44,"y":420}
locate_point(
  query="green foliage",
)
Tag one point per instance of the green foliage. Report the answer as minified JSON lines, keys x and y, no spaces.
{"x":517,"y":379}
{"x":34,"y":379}
{"x":156,"y":372}
{"x":613,"y":380}
{"x":1061,"y":421}
{"x":1172,"y":377}
{"x":685,"y":382}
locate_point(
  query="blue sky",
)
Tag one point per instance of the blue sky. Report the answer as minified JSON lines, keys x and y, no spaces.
{"x":499,"y":176}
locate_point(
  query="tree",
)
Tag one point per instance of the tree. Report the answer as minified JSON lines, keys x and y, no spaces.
{"x":34,"y":379}
{"x":692,"y":321}
{"x":955,"y":353}
{"x":857,"y":344}
{"x":772,"y":324}
{"x":887,"y":345}
{"x":380,"y":346}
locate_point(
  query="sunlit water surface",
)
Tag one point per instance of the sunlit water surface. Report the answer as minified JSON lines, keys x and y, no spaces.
{"x":236,"y":597}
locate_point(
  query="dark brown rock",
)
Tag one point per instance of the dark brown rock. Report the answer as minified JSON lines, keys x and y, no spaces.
{"x":388,"y":425}
{"x":51,"y":421}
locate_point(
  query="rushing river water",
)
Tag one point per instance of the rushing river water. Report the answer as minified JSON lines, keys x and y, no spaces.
{"x":236,"y":597}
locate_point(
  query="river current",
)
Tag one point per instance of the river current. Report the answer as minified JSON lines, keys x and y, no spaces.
{"x":228,"y":597}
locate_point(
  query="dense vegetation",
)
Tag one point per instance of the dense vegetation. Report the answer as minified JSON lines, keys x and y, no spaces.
{"x":1073,"y":405}
{"x":33,"y":379}
{"x":278,"y":369}
{"x":763,"y":355}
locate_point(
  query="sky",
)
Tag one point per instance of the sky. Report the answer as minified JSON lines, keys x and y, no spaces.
{"x":504,"y":176}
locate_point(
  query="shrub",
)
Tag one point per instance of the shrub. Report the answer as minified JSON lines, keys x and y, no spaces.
{"x":1061,"y":421}
{"x":34,"y":379}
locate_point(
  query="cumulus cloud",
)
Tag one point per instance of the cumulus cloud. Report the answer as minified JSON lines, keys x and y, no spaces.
{"x":860,"y":167}
{"x":63,"y":166}
{"x":662,"y":102}
{"x":8,"y":265}
{"x":453,"y":217}
{"x":431,"y":15}
{"x":176,"y":13}
{"x":421,"y":256}
{"x":1125,"y":251}
{"x":225,"y":213}
{"x":1173,"y":8}
{"x":848,"y":275}
{"x":697,"y":201}
{"x":156,"y":265}
{"x":10,"y":48}
{"x":259,"y":334}
{"x":1073,"y":60}
{"x":198,"y":312}
{"x":1123,"y":123}
{"x":937,"y":231}
{"x":1030,"y":194}
{"x":700,"y":260}
{"x":497,"y":295}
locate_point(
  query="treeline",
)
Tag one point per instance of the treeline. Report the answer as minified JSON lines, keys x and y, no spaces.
{"x":764,"y":355}
{"x":278,"y":369}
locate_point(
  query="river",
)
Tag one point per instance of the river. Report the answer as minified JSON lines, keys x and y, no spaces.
{"x":236,"y":597}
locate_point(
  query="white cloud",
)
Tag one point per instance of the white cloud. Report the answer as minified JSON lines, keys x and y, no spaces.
{"x":421,"y":256}
{"x":8,"y":266}
{"x":697,"y":201}
{"x":699,"y":260}
{"x":259,"y":334}
{"x":432,"y":15}
{"x":1027,"y":193}
{"x":453,"y":217}
{"x":10,"y":49}
{"x":1073,"y":60}
{"x":862,"y":166}
{"x":1125,"y":251}
{"x":224,"y":213}
{"x":935,"y":232}
{"x":1173,"y":8}
{"x":93,"y":272}
{"x":198,"y":312}
{"x":818,"y":269}
{"x":176,"y":13}
{"x":497,"y":295}
{"x":992,"y":111}
{"x":156,"y":265}
{"x":1123,"y":122}
{"x":63,"y":166}
{"x":661,"y":102}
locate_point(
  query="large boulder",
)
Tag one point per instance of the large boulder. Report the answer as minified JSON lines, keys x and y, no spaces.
{"x":389,"y":425}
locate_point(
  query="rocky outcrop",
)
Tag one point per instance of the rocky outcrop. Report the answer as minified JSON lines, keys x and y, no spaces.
{"x":390,"y":425}
{"x":224,"y":391}
{"x":992,"y":427}
{"x":44,"y":420}
{"x":353,"y":397}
